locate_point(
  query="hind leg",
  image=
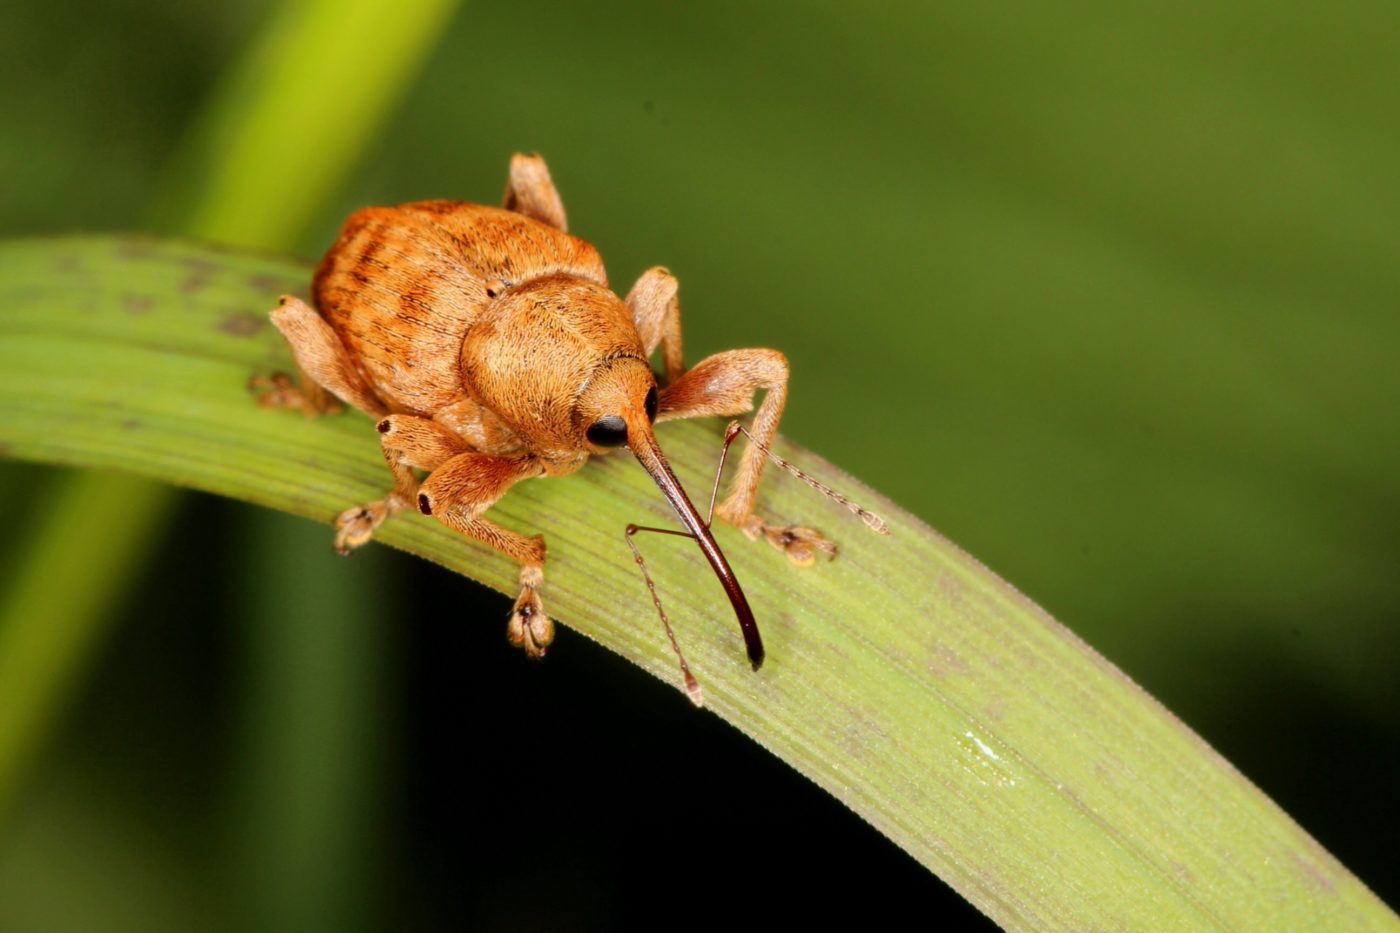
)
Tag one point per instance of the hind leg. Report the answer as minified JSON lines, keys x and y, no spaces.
{"x":324,"y":363}
{"x":530,"y":191}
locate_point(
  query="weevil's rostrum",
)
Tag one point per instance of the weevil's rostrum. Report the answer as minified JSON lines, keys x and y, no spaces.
{"x":487,"y":345}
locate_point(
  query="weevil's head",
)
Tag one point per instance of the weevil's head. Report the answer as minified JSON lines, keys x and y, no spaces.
{"x":617,"y":408}
{"x":558,"y":361}
{"x":545,"y":349}
{"x":617,"y":403}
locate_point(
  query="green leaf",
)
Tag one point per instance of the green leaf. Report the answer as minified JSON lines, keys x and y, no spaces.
{"x":904,"y":677}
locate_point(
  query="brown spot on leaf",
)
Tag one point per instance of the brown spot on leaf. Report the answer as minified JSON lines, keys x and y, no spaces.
{"x":137,"y":304}
{"x":67,"y":264}
{"x":944,"y":661}
{"x":132,"y":424}
{"x":242,"y":325}
{"x":1183,"y":874}
{"x":1312,"y":873}
{"x":266,"y":283}
{"x":200,"y":272}
{"x":133,"y":248}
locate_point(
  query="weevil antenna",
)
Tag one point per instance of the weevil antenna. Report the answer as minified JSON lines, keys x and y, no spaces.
{"x":692,"y":687}
{"x":872,"y":521}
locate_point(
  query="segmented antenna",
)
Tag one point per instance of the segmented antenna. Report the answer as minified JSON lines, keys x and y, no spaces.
{"x":872,"y":521}
{"x":692,"y":686}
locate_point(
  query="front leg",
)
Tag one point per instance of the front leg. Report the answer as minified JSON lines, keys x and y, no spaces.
{"x":724,"y":384}
{"x":462,"y":484}
{"x":457,"y":493}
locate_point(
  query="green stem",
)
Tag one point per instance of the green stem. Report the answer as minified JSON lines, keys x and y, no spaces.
{"x":295,"y":115}
{"x":278,"y":137}
{"x":307,"y":768}
{"x":84,"y":556}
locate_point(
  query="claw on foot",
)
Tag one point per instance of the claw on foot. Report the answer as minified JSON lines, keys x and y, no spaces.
{"x":529,"y":628}
{"x":355,"y":526}
{"x":801,"y":545}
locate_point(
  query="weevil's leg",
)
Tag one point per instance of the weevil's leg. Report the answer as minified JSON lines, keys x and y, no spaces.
{"x":408,"y":442}
{"x":300,"y":393}
{"x":656,"y":313}
{"x":324,"y":362}
{"x":457,"y":493}
{"x":479,"y":427}
{"x":530,"y":191}
{"x":796,"y":540}
{"x":724,"y":384}
{"x":800,"y":544}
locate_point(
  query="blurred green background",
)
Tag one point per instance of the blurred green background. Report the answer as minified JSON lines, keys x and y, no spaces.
{"x":1109,"y":296}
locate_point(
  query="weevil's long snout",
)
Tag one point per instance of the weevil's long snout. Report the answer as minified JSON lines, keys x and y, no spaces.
{"x":644,"y":447}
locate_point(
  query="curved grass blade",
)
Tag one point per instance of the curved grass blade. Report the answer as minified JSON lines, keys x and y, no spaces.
{"x":905,"y":678}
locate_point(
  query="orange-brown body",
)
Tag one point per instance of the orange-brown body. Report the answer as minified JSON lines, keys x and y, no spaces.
{"x":408,"y":287}
{"x":489,"y":347}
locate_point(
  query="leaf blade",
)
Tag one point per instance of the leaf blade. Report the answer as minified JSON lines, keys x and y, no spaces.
{"x":905,"y":678}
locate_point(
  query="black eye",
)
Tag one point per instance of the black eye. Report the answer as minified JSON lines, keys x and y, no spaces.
{"x":650,"y":404}
{"x":608,"y":431}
